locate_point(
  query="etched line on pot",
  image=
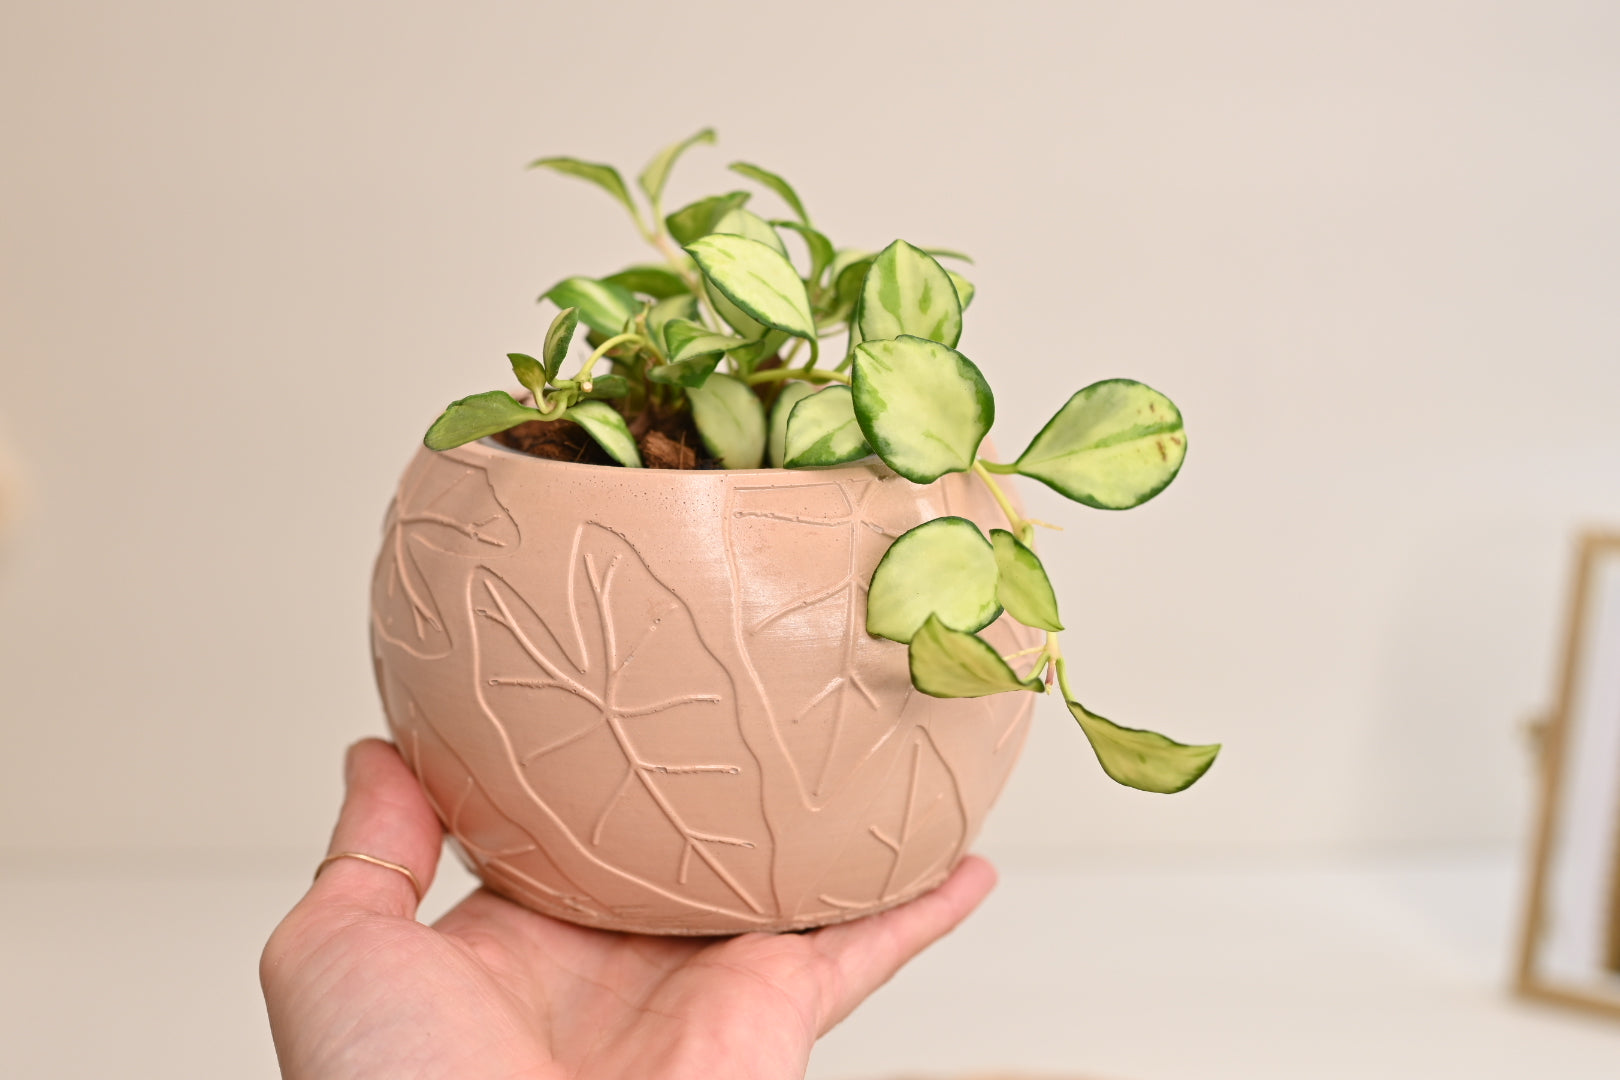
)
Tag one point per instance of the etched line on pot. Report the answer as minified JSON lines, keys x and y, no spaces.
{"x":599,"y":575}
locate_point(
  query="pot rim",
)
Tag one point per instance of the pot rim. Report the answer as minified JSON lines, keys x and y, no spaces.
{"x":872,"y":465}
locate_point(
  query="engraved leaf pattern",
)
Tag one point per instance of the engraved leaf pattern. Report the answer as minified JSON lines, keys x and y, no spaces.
{"x":445,"y":507}
{"x":820,"y":598}
{"x":614,"y":671}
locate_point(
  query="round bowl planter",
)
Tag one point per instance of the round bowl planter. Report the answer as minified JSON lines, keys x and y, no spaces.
{"x":645,"y":700}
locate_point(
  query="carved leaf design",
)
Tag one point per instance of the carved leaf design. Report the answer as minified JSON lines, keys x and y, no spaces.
{"x":445,"y":507}
{"x":616,"y":680}
{"x":804,"y":556}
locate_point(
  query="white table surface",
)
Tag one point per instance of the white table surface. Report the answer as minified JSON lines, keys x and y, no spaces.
{"x":1184,"y":970}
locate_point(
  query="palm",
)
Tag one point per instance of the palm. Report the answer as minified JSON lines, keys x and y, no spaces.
{"x":356,"y":987}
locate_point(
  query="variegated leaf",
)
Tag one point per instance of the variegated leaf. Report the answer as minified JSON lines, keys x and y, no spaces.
{"x":604,"y":424}
{"x":951,"y":664}
{"x":775,"y":183}
{"x":658,"y":282}
{"x":1022,"y":585}
{"x":559,"y":336}
{"x":605,"y":177}
{"x":759,"y":280}
{"x":731,"y":419}
{"x":943,"y":567}
{"x":924,"y":408}
{"x":820,"y":248}
{"x":1144,"y":760}
{"x":656,"y":174}
{"x":666,"y":311}
{"x":1113,"y":445}
{"x":698,"y":219}
{"x":822,"y":431}
{"x":473,"y":418}
{"x":787,"y":397}
{"x":605,"y":308}
{"x":530,"y":372}
{"x":907,"y":292}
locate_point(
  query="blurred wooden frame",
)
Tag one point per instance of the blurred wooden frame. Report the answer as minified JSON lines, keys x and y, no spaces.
{"x":1551,"y":736}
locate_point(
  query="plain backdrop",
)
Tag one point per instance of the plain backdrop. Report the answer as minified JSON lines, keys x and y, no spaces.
{"x":249,"y":250}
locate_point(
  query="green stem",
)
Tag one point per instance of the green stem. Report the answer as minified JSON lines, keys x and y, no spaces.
{"x":983,"y":469}
{"x":815,"y":354}
{"x":584,"y":375}
{"x":781,"y":374}
{"x":998,"y":467}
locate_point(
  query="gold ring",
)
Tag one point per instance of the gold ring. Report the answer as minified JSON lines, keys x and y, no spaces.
{"x":373,"y":860}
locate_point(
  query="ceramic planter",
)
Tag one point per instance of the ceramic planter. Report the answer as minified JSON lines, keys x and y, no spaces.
{"x":645,"y":700}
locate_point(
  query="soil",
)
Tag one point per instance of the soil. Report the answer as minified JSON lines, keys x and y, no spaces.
{"x":666,"y":441}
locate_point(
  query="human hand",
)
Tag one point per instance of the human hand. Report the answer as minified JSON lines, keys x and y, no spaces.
{"x":356,"y":987}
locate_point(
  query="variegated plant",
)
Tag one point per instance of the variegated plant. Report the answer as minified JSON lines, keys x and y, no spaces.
{"x":718,"y":329}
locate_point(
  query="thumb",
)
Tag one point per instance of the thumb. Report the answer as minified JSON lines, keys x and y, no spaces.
{"x":385,"y":816}
{"x":861,"y":955}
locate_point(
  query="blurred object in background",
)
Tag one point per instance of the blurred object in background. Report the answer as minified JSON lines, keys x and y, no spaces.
{"x":1570,"y":950}
{"x":10,"y":492}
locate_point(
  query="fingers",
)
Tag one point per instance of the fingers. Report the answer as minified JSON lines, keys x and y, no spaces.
{"x":866,"y":953}
{"x":386,"y":816}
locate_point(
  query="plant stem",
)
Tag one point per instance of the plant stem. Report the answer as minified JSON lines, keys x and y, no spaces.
{"x":584,"y":375}
{"x":983,"y":469}
{"x":782,"y":374}
{"x":998,"y":467}
{"x":1055,"y":653}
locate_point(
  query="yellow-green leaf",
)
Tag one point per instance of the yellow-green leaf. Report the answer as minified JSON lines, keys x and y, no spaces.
{"x":604,"y":424}
{"x":907,"y":292}
{"x":559,"y":336}
{"x":924,"y":408}
{"x":787,"y":397}
{"x":605,"y":177}
{"x":697,"y":219}
{"x":942,"y":567}
{"x":951,"y":664}
{"x":529,"y":371}
{"x":1144,"y":760}
{"x":731,"y":419}
{"x":775,"y":183}
{"x":1022,"y":586}
{"x":605,"y":308}
{"x":658,"y":282}
{"x":1113,"y":445}
{"x":823,"y":431}
{"x":656,"y":174}
{"x":756,"y":278}
{"x":473,"y":418}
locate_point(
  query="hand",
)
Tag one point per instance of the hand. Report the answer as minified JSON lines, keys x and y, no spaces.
{"x":356,"y":987}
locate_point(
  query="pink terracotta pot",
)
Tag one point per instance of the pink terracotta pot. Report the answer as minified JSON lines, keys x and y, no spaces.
{"x":645,"y":700}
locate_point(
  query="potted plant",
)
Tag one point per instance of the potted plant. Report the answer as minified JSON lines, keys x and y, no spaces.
{"x":735,"y":625}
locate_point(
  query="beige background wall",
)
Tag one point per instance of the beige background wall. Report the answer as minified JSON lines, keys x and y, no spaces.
{"x":1372,"y":250}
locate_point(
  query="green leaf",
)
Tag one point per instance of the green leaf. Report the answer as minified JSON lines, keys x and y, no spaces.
{"x":943,"y":567}
{"x":666,"y":311}
{"x":822,"y":431}
{"x":848,"y":280}
{"x":605,"y":308}
{"x":821,"y":249}
{"x":605,"y":177}
{"x":1113,"y":445}
{"x":748,"y":356}
{"x":964,"y":288}
{"x":1022,"y":586}
{"x":950,"y":664}
{"x":694,"y":352}
{"x":742,"y":222}
{"x":656,"y":174}
{"x":731,"y":420}
{"x":604,"y":387}
{"x":658,"y":282}
{"x":697,"y":219}
{"x":907,"y":292}
{"x":559,"y":336}
{"x":924,"y":408}
{"x":529,"y":371}
{"x":604,"y":424}
{"x":761,"y":282}
{"x":787,"y":397}
{"x":690,"y":339}
{"x":947,"y":253}
{"x":1144,"y":760}
{"x":475,"y":417}
{"x":775,"y":183}
{"x":691,"y":372}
